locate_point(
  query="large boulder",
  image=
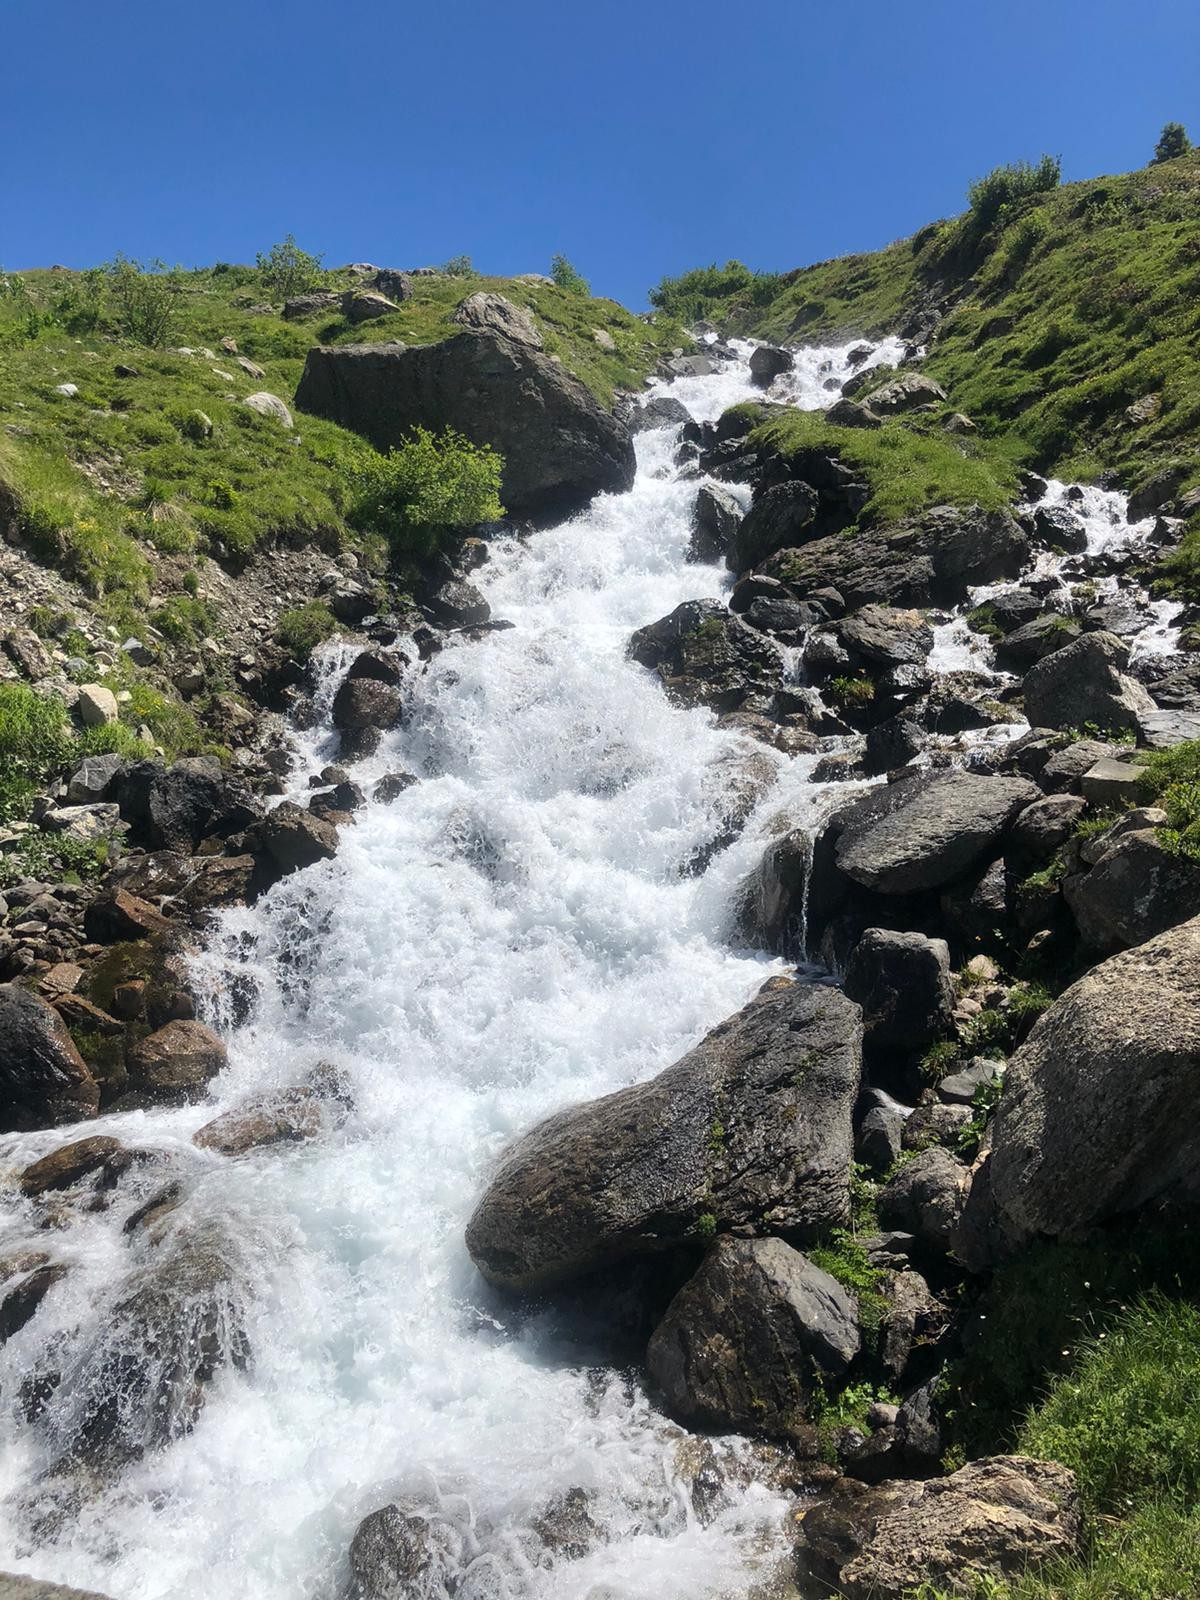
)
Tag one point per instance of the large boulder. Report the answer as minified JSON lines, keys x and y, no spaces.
{"x":559,"y":446}
{"x":769,"y":362}
{"x":749,"y":1339}
{"x":884,"y":636}
{"x":776,"y":519}
{"x":487,"y":312}
{"x":44,"y":1080}
{"x":922,"y":832}
{"x":177,"y":1061}
{"x":714,"y":523}
{"x":175,"y":807}
{"x":926,"y":1198}
{"x":290,"y":838}
{"x":902,"y":982}
{"x":994,"y":1518}
{"x":1136,"y":889}
{"x":1098,"y":1117}
{"x":705,"y":655}
{"x":752,"y":1128}
{"x":909,"y":392}
{"x":1085,"y":684}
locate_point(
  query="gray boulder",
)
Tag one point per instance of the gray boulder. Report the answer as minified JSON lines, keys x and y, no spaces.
{"x":1025,"y":646}
{"x":777,"y":518}
{"x":748,"y":1339}
{"x":902,"y":982}
{"x":662,"y":411}
{"x":486,"y":312}
{"x":926,"y":1198}
{"x":767,"y":363}
{"x":1085,"y":684}
{"x":559,"y":446}
{"x":1098,"y":1113}
{"x":714,"y":524}
{"x":44,"y":1081}
{"x":705,"y":655}
{"x":751,"y":1128}
{"x":998,"y":1518}
{"x":909,"y":392}
{"x":885,"y":636}
{"x":924,"y":832}
{"x":1137,"y":889}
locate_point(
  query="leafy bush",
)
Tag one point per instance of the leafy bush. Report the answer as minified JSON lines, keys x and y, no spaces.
{"x":426,"y":489}
{"x":1172,"y":141}
{"x":301,"y":630}
{"x":990,"y":195}
{"x":286,"y":270}
{"x":1171,"y":779}
{"x":459,"y":267}
{"x":566,"y":277}
{"x":711,"y":291}
{"x":183,"y":619}
{"x":143,"y":299}
{"x":34,"y":739}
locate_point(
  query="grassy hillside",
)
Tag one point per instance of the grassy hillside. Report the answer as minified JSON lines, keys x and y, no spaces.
{"x":1061,"y":312}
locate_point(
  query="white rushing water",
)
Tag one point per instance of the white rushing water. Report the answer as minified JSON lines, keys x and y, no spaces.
{"x":510,"y":935}
{"x":515,"y":933}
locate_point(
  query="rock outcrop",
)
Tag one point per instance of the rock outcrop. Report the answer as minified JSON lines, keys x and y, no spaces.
{"x":750,"y":1130}
{"x":44,"y":1079}
{"x":560,"y":448}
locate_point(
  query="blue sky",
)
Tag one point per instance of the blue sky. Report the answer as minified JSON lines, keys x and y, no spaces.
{"x":637,"y":138}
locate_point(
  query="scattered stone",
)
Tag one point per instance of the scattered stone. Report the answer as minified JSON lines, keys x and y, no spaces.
{"x":269,"y":405}
{"x":1112,"y":783}
{"x":97,"y":705}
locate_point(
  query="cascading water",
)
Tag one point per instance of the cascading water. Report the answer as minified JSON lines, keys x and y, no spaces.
{"x":518,"y":931}
{"x":522,"y":929}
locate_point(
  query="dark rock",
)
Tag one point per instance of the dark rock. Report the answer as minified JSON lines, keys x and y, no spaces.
{"x":19,"y":1305}
{"x":885,"y":636}
{"x":92,"y":779}
{"x":340,"y":800}
{"x":119,"y":915}
{"x":847,"y":413}
{"x":1033,"y":641}
{"x":1162,"y":730}
{"x":935,"y":1122}
{"x":714,"y":524}
{"x":707,"y":656}
{"x":218,"y":881}
{"x":893,"y":743}
{"x":44,"y":1079}
{"x":66,"y":1166}
{"x":663,"y":411}
{"x":879,"y":1139}
{"x":909,"y":392}
{"x":913,"y":1323}
{"x":293,"y":838}
{"x":403,"y":1550}
{"x":457,"y":604}
{"x":777,"y":518}
{"x":362,"y":703}
{"x":307,"y":305}
{"x":1159,"y":490}
{"x":1085,"y":683}
{"x":752,"y":1126}
{"x":559,"y":447}
{"x":774,"y":896}
{"x":177,"y":1061}
{"x":175,"y":807}
{"x":926,"y":1198}
{"x":747,"y":1340}
{"x":1062,"y":771}
{"x":1137,"y":889}
{"x":362,"y":305}
{"x":767,"y":363}
{"x":959,"y":1088}
{"x":384,"y":668}
{"x":395,"y":285}
{"x":1097,"y":1118}
{"x":998,"y":1517}
{"x":391,"y":785}
{"x":1046,"y":825}
{"x":902,"y":982}
{"x":1060,"y":528}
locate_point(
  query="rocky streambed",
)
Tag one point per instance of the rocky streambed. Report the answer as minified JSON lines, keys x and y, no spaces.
{"x":473,"y":1200}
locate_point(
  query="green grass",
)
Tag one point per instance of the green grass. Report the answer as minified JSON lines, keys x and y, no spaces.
{"x":845,"y":1259}
{"x":305,"y":627}
{"x":1171,"y":779}
{"x":35,"y":739}
{"x":908,"y":465}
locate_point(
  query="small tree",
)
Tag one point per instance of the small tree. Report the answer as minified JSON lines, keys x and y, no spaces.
{"x":566,"y":277}
{"x":459,"y":267}
{"x":1172,"y":141}
{"x":990,"y":195}
{"x":287,"y":270}
{"x":427,"y":489}
{"x":144,"y":299}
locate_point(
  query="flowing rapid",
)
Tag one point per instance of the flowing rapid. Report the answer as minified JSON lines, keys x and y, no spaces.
{"x":521,"y":930}
{"x":517,"y":932}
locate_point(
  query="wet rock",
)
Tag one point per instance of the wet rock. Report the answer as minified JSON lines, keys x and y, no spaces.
{"x":1098,"y":1114}
{"x":292,"y":838}
{"x":362,"y":704}
{"x":747,"y":1340}
{"x":69,"y":1164}
{"x":662,"y":411}
{"x":909,"y":392}
{"x":776,"y":520}
{"x":457,"y":604}
{"x":752,"y":1127}
{"x":714,"y":524}
{"x":339,"y":801}
{"x":487,"y":312}
{"x":926,"y":1198}
{"x":19,"y":1304}
{"x":902,"y":982}
{"x":885,"y":636}
{"x":998,"y":1517}
{"x":291,"y":1116}
{"x":391,"y":785}
{"x":774,"y":896}
{"x":1033,"y":641}
{"x":45,"y":1080}
{"x":768,"y":362}
{"x":1085,"y":684}
{"x":1060,"y":528}
{"x":893,"y":743}
{"x":401,"y":1550}
{"x":382,"y":666}
{"x":923,"y":832}
{"x":177,"y":1061}
{"x":14,"y":1588}
{"x":559,"y":447}
{"x":219,"y":881}
{"x":707,"y":656}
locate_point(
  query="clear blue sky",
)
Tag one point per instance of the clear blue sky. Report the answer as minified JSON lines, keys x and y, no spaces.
{"x":637,"y":138}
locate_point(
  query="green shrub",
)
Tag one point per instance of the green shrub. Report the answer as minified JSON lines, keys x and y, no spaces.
{"x":849,"y":692}
{"x":845,"y":1259}
{"x":1171,"y":779}
{"x":286,"y":270}
{"x":459,"y":267}
{"x":427,"y":489}
{"x":713,"y":291}
{"x":183,"y":619}
{"x":143,"y":299}
{"x":34,"y":739}
{"x":1172,"y":141}
{"x":301,"y":630}
{"x":567,"y":277}
{"x":988,"y":196}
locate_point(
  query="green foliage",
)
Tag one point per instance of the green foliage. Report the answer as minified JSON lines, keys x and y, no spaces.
{"x":714,"y":292}
{"x":1172,"y":142}
{"x":983,"y":1107}
{"x":1171,"y":779}
{"x":184,"y":619}
{"x":143,"y":299}
{"x":567,"y":277}
{"x":706,"y":1227}
{"x":1124,"y":1419}
{"x":286,"y":270}
{"x":849,"y":692}
{"x":844,"y":1258}
{"x":940,"y":1059}
{"x":459,"y":267}
{"x":990,"y":196}
{"x":430,"y":487}
{"x":305,"y":627}
{"x":34,"y":740}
